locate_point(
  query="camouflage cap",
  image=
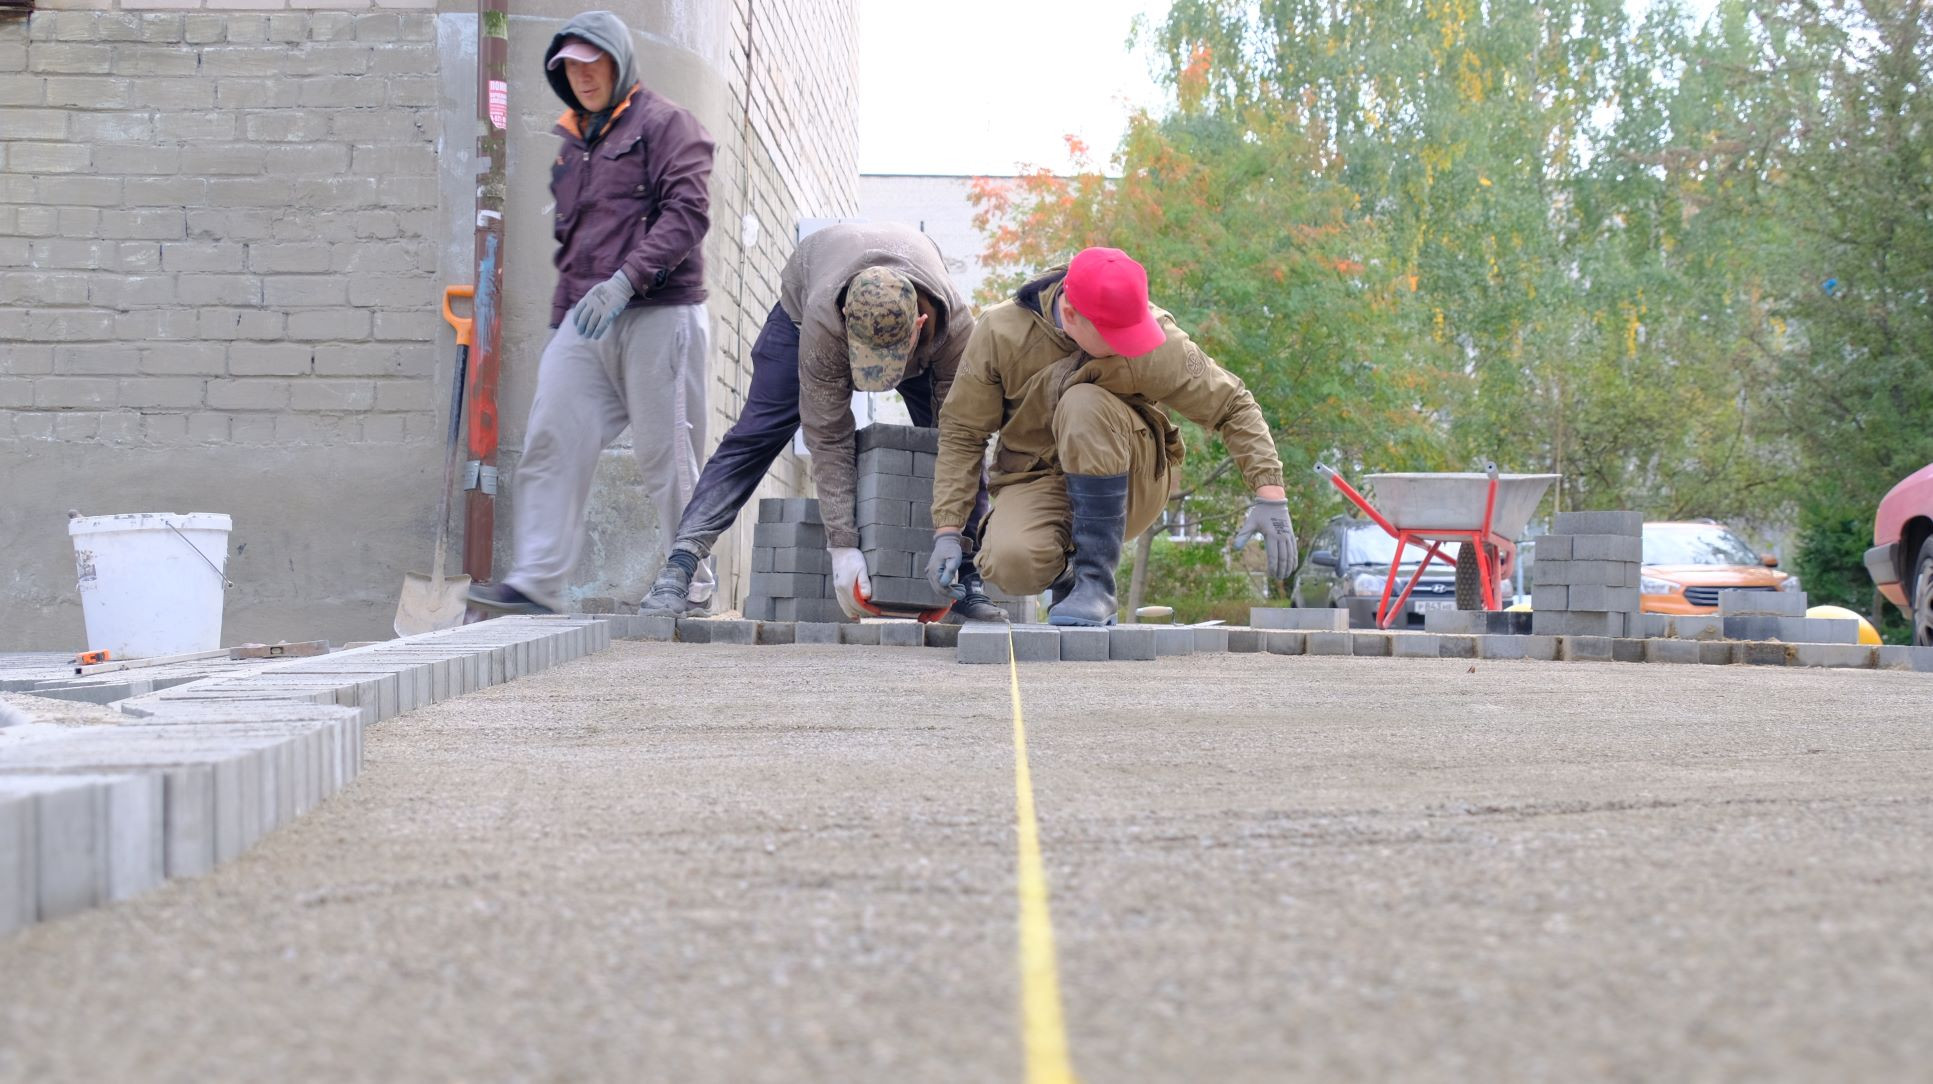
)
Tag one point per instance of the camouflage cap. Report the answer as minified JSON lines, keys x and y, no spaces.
{"x":881,"y":309}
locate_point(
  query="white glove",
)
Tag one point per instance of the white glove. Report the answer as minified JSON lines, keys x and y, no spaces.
{"x":848,"y":574}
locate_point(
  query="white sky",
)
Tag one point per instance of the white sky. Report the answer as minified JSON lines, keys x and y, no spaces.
{"x":989,"y":86}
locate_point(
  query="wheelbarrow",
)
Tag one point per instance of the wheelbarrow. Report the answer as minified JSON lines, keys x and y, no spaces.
{"x":1485,"y":512}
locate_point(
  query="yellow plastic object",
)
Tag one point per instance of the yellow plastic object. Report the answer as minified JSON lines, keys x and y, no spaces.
{"x":1867,"y":634}
{"x":1520,"y":608}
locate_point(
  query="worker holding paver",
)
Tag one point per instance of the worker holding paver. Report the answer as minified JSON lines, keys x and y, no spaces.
{"x":1073,"y":373}
{"x":631,"y":184}
{"x":862,"y":307}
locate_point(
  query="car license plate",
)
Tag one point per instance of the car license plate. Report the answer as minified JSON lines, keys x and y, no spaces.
{"x":1425,"y":605}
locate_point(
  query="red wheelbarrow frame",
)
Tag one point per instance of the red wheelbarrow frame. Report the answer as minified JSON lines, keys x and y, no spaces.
{"x":1430,"y":540}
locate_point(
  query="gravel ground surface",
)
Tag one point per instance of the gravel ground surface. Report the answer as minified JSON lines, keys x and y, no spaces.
{"x":697,"y":863}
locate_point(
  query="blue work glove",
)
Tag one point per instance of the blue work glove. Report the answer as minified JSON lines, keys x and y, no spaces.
{"x":1269,"y":520}
{"x":943,"y":568}
{"x":594,"y":315}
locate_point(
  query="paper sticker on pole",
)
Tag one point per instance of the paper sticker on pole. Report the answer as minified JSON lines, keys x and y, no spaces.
{"x":499,"y":103}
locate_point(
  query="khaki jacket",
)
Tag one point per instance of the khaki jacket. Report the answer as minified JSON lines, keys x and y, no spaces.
{"x":1017,"y":365}
{"x":812,"y":291}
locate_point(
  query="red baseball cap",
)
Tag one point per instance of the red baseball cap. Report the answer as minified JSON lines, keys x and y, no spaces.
{"x":1111,"y":290}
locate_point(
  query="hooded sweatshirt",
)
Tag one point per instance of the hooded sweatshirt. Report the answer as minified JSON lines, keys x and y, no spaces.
{"x":632,"y":191}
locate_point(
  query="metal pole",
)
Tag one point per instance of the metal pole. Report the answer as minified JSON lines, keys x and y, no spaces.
{"x":493,"y":120}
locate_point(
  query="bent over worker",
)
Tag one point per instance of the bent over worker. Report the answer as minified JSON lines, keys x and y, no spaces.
{"x":862,"y":307}
{"x":631,"y":335}
{"x":1074,"y":373}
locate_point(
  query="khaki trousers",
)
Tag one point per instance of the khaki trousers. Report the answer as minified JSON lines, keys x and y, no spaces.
{"x":1028,"y":535}
{"x":647,"y":373}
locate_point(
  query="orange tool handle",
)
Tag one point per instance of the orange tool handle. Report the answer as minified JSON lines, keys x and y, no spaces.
{"x":92,"y":658}
{"x":464,"y":326}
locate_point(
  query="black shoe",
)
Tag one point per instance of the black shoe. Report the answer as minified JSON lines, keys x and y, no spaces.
{"x":1100,"y":503}
{"x":975,"y":605}
{"x":667,"y":597}
{"x":501,"y":599}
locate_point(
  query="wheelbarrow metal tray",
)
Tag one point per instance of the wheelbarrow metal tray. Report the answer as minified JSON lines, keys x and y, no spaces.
{"x":1425,"y":502}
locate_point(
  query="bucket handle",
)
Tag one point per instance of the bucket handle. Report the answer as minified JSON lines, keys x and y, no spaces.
{"x":225,"y":581}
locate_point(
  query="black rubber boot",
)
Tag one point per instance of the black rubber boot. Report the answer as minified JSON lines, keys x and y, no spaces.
{"x":1100,"y":519}
{"x":975,"y":605}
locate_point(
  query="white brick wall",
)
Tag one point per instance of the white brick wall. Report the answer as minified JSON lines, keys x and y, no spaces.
{"x":213,"y":216}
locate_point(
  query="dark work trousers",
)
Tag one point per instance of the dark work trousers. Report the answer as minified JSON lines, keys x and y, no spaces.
{"x":765,"y":427}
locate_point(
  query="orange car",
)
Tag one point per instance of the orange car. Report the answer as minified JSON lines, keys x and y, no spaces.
{"x":1687,"y":564}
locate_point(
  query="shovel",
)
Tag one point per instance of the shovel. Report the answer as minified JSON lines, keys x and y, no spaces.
{"x":437,"y":601}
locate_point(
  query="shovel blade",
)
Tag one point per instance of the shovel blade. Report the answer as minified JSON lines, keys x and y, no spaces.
{"x":428,"y":603}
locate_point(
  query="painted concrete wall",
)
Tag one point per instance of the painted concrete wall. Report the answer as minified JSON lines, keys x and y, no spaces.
{"x":223,"y":237}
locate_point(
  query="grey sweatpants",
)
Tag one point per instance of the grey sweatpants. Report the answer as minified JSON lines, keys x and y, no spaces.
{"x":647,"y":372}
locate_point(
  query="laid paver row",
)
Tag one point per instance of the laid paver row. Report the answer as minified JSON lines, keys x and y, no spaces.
{"x":987,"y":643}
{"x":197,"y":773}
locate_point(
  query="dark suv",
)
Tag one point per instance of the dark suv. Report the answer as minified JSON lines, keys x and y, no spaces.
{"x":1348,"y":562}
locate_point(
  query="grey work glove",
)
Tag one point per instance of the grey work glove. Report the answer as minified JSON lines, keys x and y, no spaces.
{"x":943,"y":568}
{"x":594,"y":315}
{"x":1270,"y":521}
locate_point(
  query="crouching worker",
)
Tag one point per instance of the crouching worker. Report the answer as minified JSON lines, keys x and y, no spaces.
{"x":862,"y":307}
{"x":1073,"y":373}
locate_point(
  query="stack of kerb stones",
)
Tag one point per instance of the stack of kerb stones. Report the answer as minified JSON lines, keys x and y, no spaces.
{"x":791,"y":571}
{"x":1584,"y":581}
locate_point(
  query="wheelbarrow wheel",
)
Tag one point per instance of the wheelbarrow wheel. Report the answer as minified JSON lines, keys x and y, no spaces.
{"x":1469,"y":578}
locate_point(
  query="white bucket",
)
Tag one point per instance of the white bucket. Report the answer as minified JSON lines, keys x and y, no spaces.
{"x":151,"y":582}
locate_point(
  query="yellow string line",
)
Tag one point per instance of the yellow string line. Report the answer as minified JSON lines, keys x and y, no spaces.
{"x":1042,"y":1028}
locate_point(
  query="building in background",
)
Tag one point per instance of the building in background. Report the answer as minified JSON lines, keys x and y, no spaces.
{"x":224,"y":236}
{"x":940,"y":207}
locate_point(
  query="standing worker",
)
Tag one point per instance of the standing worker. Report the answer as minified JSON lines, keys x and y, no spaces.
{"x":1073,"y":373}
{"x":631,"y":331}
{"x":862,"y":307}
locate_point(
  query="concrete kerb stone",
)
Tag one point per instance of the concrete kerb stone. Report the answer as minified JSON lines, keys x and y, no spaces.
{"x":1900,"y":657}
{"x":95,"y":838}
{"x":1495,"y":646}
{"x":1286,"y":641}
{"x":981,"y":644}
{"x":1035,"y":643}
{"x":1414,"y":645}
{"x":901,"y":634}
{"x":1328,"y":643}
{"x":1584,"y":648}
{"x":1130,"y":643}
{"x":1852,"y":656}
{"x":1173,"y":640}
{"x":1245,"y":641}
{"x":1659,"y":649}
{"x":1302,"y":618}
{"x":777,"y":632}
{"x":1456,"y":647}
{"x":862,"y":633}
{"x":941,"y":634}
{"x":816,"y":632}
{"x":1211,"y":639}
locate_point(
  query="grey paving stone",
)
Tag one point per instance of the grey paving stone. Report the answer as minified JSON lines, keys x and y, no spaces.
{"x":942,"y":634}
{"x":891,"y":487}
{"x":1495,"y":646}
{"x":891,"y":563}
{"x":823,"y":611}
{"x":1130,"y":643}
{"x":1244,"y":641}
{"x":1173,"y":640}
{"x":908,"y":437}
{"x":861,"y":633}
{"x":1764,"y":653}
{"x":1585,"y":523}
{"x":788,"y":510}
{"x":901,"y":634}
{"x":1820,"y":630}
{"x":1541,"y":648}
{"x":1456,"y":647}
{"x":1478,"y":622}
{"x":759,"y":608}
{"x":1286,"y":641}
{"x":793,"y":535}
{"x":982,"y":644}
{"x":19,"y":859}
{"x":1577,"y":623}
{"x":1745,"y":603}
{"x":1753,"y":627}
{"x":814,"y":561}
{"x":1852,"y":656}
{"x":1369,"y":644}
{"x":815,"y":632}
{"x":1550,"y":597}
{"x":1594,"y":597}
{"x":1698,"y":627}
{"x":910,"y":539}
{"x":885,"y":461}
{"x":1035,"y":643}
{"x":1414,"y":645}
{"x":1304,"y":618}
{"x":1078,"y":644}
{"x":1211,"y":639}
{"x":97,"y":838}
{"x":885,"y":513}
{"x":1671,"y":651}
{"x":777,"y":632}
{"x":1627,"y":649}
{"x":650,"y":628}
{"x":1328,"y":643}
{"x":1602,"y":547}
{"x":1903,"y":657}
{"x":787,"y":585}
{"x":1584,"y":648}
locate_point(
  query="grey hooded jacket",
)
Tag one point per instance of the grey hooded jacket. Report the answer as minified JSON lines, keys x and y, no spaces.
{"x":637,"y":197}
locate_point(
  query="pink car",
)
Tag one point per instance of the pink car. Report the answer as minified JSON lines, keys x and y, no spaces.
{"x":1901,"y":560}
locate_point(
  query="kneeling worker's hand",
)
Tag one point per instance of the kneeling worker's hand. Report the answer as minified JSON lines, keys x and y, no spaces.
{"x":943,"y":568}
{"x":848,"y":575}
{"x":1269,"y":520}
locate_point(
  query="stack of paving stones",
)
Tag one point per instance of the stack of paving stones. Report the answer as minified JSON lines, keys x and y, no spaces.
{"x":1585,"y":580}
{"x":791,"y":572}
{"x":175,"y":781}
